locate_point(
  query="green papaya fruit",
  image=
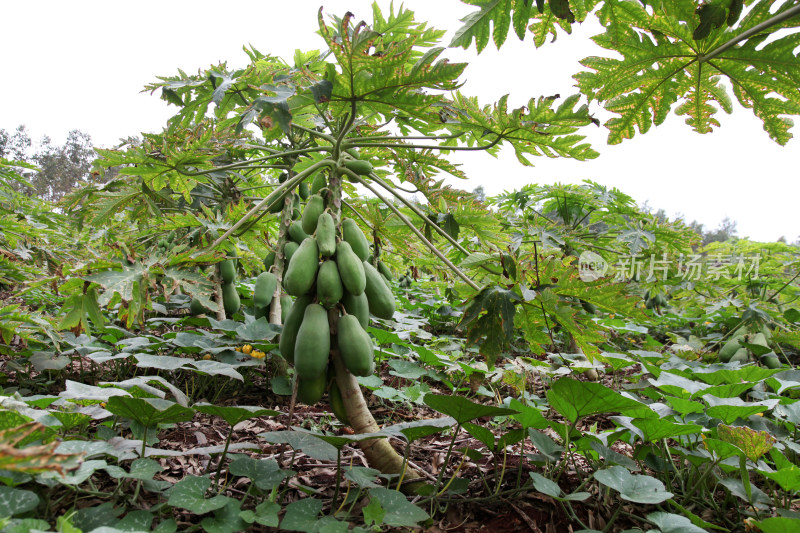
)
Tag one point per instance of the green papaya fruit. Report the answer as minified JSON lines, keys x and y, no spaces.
{"x":326,"y":235}
{"x":227,"y":271}
{"x":296,"y":201}
{"x":379,"y":296}
{"x":296,"y":232}
{"x":264,"y":289}
{"x":196,"y":308}
{"x":275,"y":201}
{"x":355,"y":346}
{"x":289,"y":248}
{"x":760,"y":339}
{"x":269,"y":260}
{"x":314,"y":208}
{"x":318,"y":183}
{"x":730,"y":348}
{"x":359,"y":166}
{"x":351,"y":269}
{"x":383,"y":269}
{"x":291,"y":325}
{"x":329,"y":284}
{"x":353,"y":235}
{"x":336,"y":402}
{"x":295,"y":214}
{"x":311,"y":391}
{"x":286,"y":304}
{"x":303,"y":190}
{"x":741,"y":356}
{"x":770,"y":360}
{"x":230,"y":299}
{"x":313,"y":344}
{"x":302,"y":269}
{"x":357,"y":305}
{"x":353,"y":153}
{"x":588,"y":307}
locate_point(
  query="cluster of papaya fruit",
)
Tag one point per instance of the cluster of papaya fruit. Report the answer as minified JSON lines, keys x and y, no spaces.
{"x":405,"y":281}
{"x":742,"y":347}
{"x":335,"y":289}
{"x":655,"y":301}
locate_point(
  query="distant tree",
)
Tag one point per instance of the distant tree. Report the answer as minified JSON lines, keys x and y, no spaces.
{"x":480,"y":193}
{"x":725,"y":231}
{"x":62,"y":167}
{"x":15,"y":145}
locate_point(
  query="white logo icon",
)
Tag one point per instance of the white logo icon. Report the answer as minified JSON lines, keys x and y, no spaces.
{"x":591,"y":266}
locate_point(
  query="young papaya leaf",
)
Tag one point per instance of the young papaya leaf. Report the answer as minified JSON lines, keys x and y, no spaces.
{"x":149,"y":411}
{"x":302,"y":441}
{"x":399,"y":511}
{"x":546,"y":445}
{"x":779,"y":524}
{"x":481,"y":433}
{"x":529,"y":417}
{"x":265,"y":514}
{"x":189,"y":493}
{"x":226,"y":519}
{"x":418,"y":429}
{"x":462,"y":409}
{"x":655,"y":429}
{"x":362,"y":476}
{"x":788,"y":478}
{"x":576,"y":399}
{"x":16,"y":501}
{"x":234,"y":414}
{"x":489,"y":321}
{"x":673,"y":523}
{"x":301,"y":515}
{"x":633,"y":487}
{"x":374,"y":513}
{"x":753,"y":443}
{"x":729,"y":409}
{"x":265,"y":473}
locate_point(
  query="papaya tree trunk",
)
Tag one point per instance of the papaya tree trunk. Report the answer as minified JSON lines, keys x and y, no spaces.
{"x":379,"y":453}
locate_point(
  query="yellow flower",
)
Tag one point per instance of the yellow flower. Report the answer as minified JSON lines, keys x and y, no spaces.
{"x":238,"y":349}
{"x":258,"y":354}
{"x":246,"y":349}
{"x":206,"y":357}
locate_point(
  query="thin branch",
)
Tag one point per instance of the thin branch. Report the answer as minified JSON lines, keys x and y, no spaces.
{"x":287,"y":185}
{"x":777,"y":19}
{"x":413,"y":228}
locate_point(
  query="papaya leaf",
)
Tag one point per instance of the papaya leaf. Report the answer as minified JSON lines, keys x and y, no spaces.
{"x":489,"y":321}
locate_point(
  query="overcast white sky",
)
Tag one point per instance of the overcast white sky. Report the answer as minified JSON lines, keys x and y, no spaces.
{"x":81,"y":65}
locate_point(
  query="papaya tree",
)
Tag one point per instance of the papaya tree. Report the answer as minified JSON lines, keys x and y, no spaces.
{"x":378,"y":112}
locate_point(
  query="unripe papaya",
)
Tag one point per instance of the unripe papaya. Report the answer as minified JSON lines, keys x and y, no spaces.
{"x":770,"y":360}
{"x":269,"y":260}
{"x":289,"y":248}
{"x":196,"y":308}
{"x":311,"y":391}
{"x":359,"y":166}
{"x":227,"y":271}
{"x":329,"y":284}
{"x":383,"y":269}
{"x":303,"y":190}
{"x":741,"y":355}
{"x":730,"y":348}
{"x":286,"y":304}
{"x":326,"y":235}
{"x":353,"y":235}
{"x":760,"y":339}
{"x":295,"y":214}
{"x":351,"y":269}
{"x":355,"y":346}
{"x":318,"y":183}
{"x":337,"y":403}
{"x":230,"y":299}
{"x":275,"y":201}
{"x":358,"y":306}
{"x":314,"y":208}
{"x":302,"y":269}
{"x":296,"y":232}
{"x":313,"y":344}
{"x":266,"y":283}
{"x":291,"y":325}
{"x":296,"y":201}
{"x":379,"y":296}
{"x":588,"y":307}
